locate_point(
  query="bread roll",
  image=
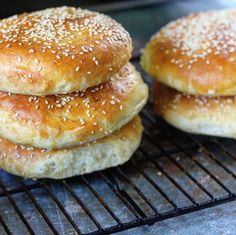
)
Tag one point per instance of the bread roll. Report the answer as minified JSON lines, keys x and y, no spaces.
{"x":214,"y":116}
{"x":57,"y":164}
{"x":195,"y":54}
{"x":63,"y":121}
{"x":60,"y":50}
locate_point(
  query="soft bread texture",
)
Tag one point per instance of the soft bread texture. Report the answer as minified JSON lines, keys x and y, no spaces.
{"x":40,"y":163}
{"x":60,"y":50}
{"x":214,"y":116}
{"x":61,"y":121}
{"x":195,"y":54}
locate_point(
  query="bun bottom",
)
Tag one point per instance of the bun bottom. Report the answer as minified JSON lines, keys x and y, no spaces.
{"x":213,"y":116}
{"x":57,"y":164}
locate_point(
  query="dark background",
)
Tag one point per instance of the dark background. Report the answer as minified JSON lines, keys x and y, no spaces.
{"x":13,"y":7}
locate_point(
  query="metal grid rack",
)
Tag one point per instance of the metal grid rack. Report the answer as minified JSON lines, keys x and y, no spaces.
{"x":172,"y":173}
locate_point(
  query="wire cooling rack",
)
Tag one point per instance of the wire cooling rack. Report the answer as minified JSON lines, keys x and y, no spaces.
{"x":171,"y":174}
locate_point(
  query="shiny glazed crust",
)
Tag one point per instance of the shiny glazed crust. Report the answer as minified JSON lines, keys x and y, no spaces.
{"x":40,"y":163}
{"x":60,"y":50}
{"x":69,"y":120}
{"x":195,"y":54}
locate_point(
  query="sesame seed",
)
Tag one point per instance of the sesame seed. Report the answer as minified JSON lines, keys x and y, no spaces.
{"x":199,"y":35}
{"x":31,"y":51}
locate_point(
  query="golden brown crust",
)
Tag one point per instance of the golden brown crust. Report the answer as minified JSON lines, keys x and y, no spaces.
{"x":195,"y":54}
{"x":40,"y":163}
{"x":73,"y":119}
{"x":60,"y":50}
{"x":196,"y":114}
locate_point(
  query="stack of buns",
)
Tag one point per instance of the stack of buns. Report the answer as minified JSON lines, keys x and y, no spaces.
{"x":69,"y":97}
{"x":193,"y":60}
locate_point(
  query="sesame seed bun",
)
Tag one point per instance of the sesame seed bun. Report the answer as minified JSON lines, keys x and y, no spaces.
{"x":40,"y":163}
{"x":195,"y":54}
{"x":60,"y":50}
{"x":67,"y":120}
{"x":196,"y":114}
